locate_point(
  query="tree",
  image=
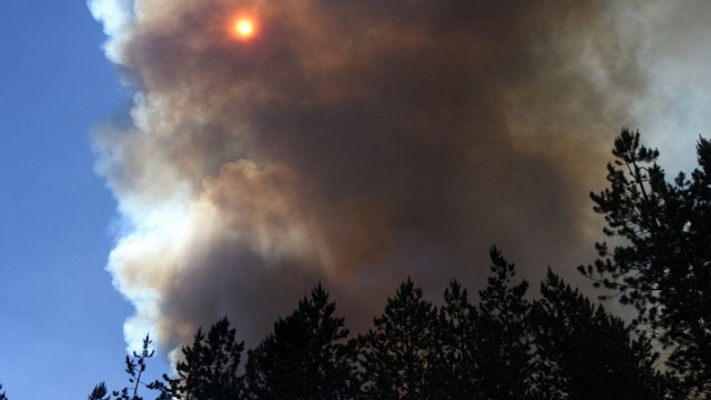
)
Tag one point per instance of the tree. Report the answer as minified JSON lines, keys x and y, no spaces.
{"x":208,"y":370}
{"x":307,"y":356}
{"x":456,"y":369}
{"x":662,"y":265}
{"x":397,"y":353}
{"x":502,"y":340}
{"x":2,"y":394}
{"x":585,"y":353}
{"x":99,"y":392}
{"x":135,"y":367}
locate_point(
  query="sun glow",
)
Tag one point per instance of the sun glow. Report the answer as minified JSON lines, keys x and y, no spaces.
{"x":243,"y":28}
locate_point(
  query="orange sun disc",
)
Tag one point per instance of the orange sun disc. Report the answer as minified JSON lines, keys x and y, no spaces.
{"x":243,"y":28}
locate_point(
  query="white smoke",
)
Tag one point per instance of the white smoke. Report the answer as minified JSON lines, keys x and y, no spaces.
{"x":357,"y":143}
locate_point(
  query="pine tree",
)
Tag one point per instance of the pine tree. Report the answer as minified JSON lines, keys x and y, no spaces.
{"x":308,"y":356}
{"x":502,"y":338}
{"x":209,"y":367}
{"x":135,"y":367}
{"x":2,"y":394}
{"x":585,"y":353}
{"x":663,"y":267}
{"x":99,"y":393}
{"x":397,"y":353}
{"x":456,"y":369}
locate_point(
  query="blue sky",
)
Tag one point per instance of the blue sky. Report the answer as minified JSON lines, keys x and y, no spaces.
{"x":60,"y":318}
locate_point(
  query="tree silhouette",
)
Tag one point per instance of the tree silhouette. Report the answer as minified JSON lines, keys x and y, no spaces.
{"x":397,"y":353}
{"x":2,"y":394}
{"x":502,"y":340}
{"x":585,"y":353}
{"x":100,"y":392}
{"x":456,"y":370}
{"x":664,"y":266}
{"x":306,"y":357}
{"x":135,"y":367}
{"x":209,"y":368}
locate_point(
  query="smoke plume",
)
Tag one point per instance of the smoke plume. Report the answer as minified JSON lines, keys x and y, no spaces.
{"x":356,"y":143}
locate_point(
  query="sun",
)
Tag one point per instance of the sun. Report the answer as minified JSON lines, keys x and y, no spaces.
{"x":243,"y":28}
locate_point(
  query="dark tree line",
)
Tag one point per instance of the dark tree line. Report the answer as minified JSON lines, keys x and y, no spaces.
{"x":504,"y":346}
{"x":209,"y":367}
{"x":560,"y":346}
{"x":308,"y":356}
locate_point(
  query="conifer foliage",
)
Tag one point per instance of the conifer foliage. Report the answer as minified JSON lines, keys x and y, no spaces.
{"x":397,"y":353}
{"x":308,"y":356}
{"x":502,"y":339}
{"x":99,"y":393}
{"x":560,"y":347}
{"x":585,"y":353}
{"x":486,"y":349}
{"x":457,"y":370}
{"x":135,"y":367}
{"x":663,"y":265}
{"x":208,"y":370}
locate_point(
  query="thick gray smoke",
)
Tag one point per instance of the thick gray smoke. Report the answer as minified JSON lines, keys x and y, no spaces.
{"x":356,"y":143}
